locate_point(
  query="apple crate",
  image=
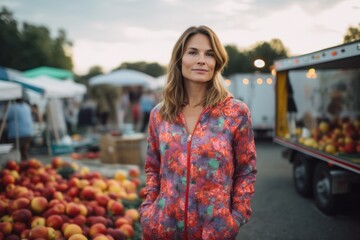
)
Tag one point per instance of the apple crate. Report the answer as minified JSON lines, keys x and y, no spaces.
{"x":122,"y":149}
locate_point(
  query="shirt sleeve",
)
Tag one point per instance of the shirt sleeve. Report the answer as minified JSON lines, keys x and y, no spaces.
{"x":245,"y":169}
{"x":152,"y":164}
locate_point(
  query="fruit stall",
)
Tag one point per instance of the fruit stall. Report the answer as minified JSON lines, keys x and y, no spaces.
{"x":65,"y":200}
{"x":317,"y":114}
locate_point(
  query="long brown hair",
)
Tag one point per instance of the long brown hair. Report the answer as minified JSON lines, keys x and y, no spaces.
{"x":174,"y":93}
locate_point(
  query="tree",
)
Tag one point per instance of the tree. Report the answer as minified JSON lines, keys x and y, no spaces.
{"x":36,"y":47}
{"x":352,"y":34}
{"x":31,"y":46}
{"x":152,"y":69}
{"x":243,"y":61}
{"x":10,"y":39}
{"x":61,"y":56}
{"x":93,"y":71}
{"x":267,"y":51}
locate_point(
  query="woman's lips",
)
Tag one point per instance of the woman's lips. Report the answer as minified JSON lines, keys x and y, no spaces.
{"x":200,"y":70}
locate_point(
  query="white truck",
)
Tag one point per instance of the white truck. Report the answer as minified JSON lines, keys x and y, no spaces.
{"x":257,"y":90}
{"x":317,"y":119}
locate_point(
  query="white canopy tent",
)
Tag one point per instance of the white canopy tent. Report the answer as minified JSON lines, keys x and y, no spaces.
{"x":123,"y":77}
{"x":53,"y":88}
{"x":9,"y":90}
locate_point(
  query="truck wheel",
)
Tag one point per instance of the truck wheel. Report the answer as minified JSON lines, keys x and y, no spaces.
{"x":322,"y":186}
{"x":302,"y":175}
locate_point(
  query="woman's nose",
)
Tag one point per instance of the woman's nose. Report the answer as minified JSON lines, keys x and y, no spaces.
{"x":201,"y":59}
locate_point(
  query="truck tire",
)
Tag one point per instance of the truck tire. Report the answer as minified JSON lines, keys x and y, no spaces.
{"x":322,"y":185}
{"x":302,"y":174}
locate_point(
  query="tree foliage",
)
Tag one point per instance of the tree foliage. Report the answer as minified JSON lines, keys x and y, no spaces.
{"x":243,"y":61}
{"x":31,"y":46}
{"x":352,"y":34}
{"x":152,"y":69}
{"x":93,"y":71}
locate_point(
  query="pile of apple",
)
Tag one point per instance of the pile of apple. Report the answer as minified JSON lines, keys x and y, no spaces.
{"x":336,"y":136}
{"x":86,"y":155}
{"x":38,"y":203}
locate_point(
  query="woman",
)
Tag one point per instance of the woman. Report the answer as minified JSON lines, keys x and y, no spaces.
{"x":200,"y":163}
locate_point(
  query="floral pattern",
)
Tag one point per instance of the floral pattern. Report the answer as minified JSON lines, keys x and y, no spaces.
{"x":202,"y":188}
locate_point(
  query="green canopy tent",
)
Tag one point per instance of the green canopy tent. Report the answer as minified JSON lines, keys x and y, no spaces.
{"x":48,"y":71}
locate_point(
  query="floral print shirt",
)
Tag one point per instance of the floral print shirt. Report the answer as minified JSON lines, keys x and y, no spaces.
{"x":199,"y":185}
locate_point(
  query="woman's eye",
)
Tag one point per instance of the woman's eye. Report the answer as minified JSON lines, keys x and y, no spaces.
{"x":192,"y":52}
{"x":210,"y":54}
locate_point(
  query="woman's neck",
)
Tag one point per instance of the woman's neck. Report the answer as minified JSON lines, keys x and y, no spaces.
{"x":196,"y":94}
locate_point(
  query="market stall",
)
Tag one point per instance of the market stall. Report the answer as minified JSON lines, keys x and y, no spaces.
{"x":318,"y":120}
{"x":48,"y":93}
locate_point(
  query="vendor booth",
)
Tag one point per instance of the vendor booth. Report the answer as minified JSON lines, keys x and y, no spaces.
{"x":48,"y":93}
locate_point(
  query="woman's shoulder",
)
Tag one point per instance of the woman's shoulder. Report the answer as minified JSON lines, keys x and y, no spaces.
{"x":236,"y":105}
{"x":157,"y":107}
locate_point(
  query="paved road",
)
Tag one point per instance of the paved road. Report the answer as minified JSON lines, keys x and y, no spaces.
{"x":279,"y":213}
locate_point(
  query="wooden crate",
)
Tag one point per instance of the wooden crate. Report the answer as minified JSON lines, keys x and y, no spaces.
{"x":122,"y":150}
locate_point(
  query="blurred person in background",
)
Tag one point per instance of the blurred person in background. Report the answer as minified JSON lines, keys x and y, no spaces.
{"x":147,"y":102}
{"x":20,"y":125}
{"x":134,"y":98}
{"x":201,"y":161}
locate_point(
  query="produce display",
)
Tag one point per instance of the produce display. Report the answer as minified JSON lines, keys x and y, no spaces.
{"x":63,"y":201}
{"x":338,"y":136}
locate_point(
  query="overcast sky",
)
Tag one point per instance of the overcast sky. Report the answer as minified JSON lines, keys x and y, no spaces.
{"x":109,"y":32}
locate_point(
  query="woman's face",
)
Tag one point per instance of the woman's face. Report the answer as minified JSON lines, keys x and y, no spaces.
{"x":198,"y":62}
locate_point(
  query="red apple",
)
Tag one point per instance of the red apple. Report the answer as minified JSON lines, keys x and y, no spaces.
{"x":128,"y":230}
{"x":134,"y":173}
{"x":116,"y":234}
{"x":99,"y":211}
{"x":22,"y":215}
{"x":54,"y":221}
{"x":115,"y":208}
{"x":89,"y":193}
{"x":102,"y":199}
{"x":72,"y":209}
{"x":51,"y":233}
{"x":33,"y":163}
{"x":37,"y":221}
{"x":39,"y":204}
{"x":78,"y":237}
{"x":19,"y":227}
{"x":133,"y":214}
{"x":97,"y":228}
{"x":57,"y":162}
{"x":350,"y":147}
{"x":38,"y":232}
{"x":73,"y":192}
{"x":120,"y":221}
{"x":12,"y":165}
{"x":71,"y":229}
{"x":8,"y":179}
{"x":21,"y":203}
{"x":6,"y":228}
{"x":96,"y":219}
{"x":100,"y":237}
{"x":79,"y":220}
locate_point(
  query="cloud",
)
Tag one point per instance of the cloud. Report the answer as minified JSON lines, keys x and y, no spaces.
{"x":138,"y":45}
{"x":108,"y":32}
